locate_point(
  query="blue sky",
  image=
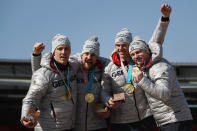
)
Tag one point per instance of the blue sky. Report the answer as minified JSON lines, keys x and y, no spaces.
{"x":23,"y":22}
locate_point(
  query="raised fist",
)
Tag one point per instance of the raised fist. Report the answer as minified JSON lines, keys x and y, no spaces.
{"x":165,"y":10}
{"x":38,"y":48}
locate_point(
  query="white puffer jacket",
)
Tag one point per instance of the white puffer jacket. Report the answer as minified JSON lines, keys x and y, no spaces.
{"x":165,"y":97}
{"x":85,"y":115}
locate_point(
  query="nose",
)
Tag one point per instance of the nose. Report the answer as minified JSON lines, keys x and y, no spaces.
{"x":89,"y":56}
{"x":63,"y":51}
{"x":135,"y":56}
{"x":120,"y":48}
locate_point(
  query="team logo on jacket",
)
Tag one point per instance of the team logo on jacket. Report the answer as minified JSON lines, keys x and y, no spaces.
{"x":117,"y":73}
{"x":57,"y":83}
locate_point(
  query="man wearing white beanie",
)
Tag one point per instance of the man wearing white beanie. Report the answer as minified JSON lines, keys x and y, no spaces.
{"x":166,"y":99}
{"x":134,"y":113}
{"x":53,"y":90}
{"x":89,"y":87}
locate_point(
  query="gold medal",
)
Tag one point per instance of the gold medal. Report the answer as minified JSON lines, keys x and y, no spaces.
{"x":129,"y":88}
{"x":89,"y":97}
{"x":135,"y":69}
{"x":68,"y":95}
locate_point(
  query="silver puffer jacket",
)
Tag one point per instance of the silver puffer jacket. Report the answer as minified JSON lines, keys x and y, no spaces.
{"x":136,"y":105}
{"x":92,"y":121}
{"x":165,"y":97}
{"x":47,"y":93}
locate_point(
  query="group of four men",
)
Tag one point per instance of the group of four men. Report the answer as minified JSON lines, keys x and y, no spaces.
{"x":68,"y":91}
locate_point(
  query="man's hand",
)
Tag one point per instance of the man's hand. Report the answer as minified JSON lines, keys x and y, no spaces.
{"x":105,"y":114}
{"x":28,"y":123}
{"x":138,"y":75}
{"x":38,"y":48}
{"x":113,"y":104}
{"x":166,"y":10}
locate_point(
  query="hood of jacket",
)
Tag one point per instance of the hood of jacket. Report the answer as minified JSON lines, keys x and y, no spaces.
{"x":46,"y":59}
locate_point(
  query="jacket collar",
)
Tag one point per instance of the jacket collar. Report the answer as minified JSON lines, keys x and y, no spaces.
{"x":116,"y":59}
{"x":55,"y":69}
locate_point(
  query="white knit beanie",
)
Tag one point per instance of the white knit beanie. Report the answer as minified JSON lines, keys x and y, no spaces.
{"x":91,"y":45}
{"x":138,"y":43}
{"x":124,"y":36}
{"x":59,"y":40}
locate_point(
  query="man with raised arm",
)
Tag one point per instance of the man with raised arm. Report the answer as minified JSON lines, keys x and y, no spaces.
{"x":160,"y":84}
{"x":53,"y":91}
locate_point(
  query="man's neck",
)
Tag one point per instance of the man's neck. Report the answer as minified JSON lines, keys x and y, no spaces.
{"x":60,"y":66}
{"x":125,"y":59}
{"x":85,"y":69}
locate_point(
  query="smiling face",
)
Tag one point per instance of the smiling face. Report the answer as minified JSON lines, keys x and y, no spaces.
{"x":62,"y":53}
{"x":122,"y":48}
{"x":88,"y":60}
{"x":139,"y":56}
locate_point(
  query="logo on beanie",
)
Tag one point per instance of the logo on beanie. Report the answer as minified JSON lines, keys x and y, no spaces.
{"x":138,"y":43}
{"x":121,"y":40}
{"x":91,"y":45}
{"x":123,"y":36}
{"x":62,"y":39}
{"x":91,"y":48}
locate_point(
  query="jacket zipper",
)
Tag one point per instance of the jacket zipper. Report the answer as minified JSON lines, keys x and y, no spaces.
{"x":52,"y":108}
{"x":86,"y":118}
{"x":136,"y":105}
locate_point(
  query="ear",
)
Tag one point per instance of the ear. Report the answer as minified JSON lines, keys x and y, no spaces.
{"x":53,"y":54}
{"x":147,"y":54}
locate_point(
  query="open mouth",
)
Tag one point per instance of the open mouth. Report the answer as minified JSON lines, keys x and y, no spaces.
{"x":89,"y":62}
{"x":63,"y":57}
{"x":139,"y":60}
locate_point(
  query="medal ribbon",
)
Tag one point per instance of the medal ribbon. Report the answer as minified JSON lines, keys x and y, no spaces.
{"x":68,"y":79}
{"x":128,"y":75}
{"x":91,"y":80}
{"x":146,"y":63}
{"x":147,"y":60}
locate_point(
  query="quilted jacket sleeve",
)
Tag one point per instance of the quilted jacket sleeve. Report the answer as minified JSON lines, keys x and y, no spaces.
{"x":106,"y":91}
{"x":159,"y":84}
{"x":35,"y":62}
{"x":157,"y":39}
{"x":37,"y":89}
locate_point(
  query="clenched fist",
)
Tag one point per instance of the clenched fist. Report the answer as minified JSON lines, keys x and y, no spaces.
{"x":165,"y":10}
{"x":38,"y":48}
